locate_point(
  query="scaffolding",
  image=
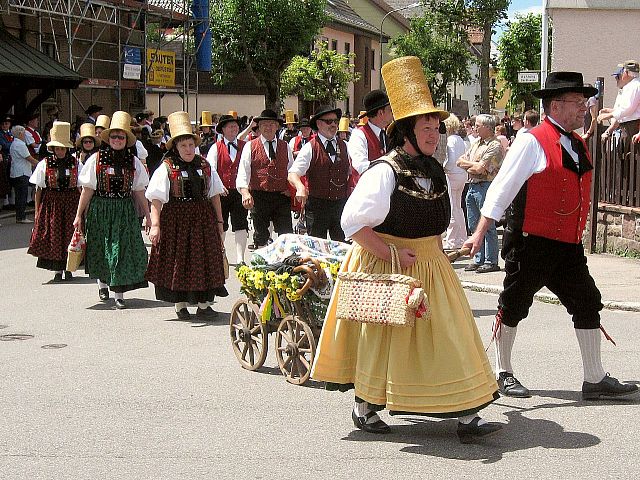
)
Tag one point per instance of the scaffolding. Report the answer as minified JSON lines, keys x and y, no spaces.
{"x":80,"y":34}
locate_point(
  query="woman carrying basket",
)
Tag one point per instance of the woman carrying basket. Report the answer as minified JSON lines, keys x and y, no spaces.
{"x":438,"y":366}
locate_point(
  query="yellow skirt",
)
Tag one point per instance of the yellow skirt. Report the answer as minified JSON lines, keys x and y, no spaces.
{"x":438,"y":366}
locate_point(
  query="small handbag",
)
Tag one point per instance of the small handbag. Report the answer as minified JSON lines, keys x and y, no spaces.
{"x":75,"y":251}
{"x":381,"y":298}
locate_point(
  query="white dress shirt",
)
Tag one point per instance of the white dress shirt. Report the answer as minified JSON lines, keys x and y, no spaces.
{"x":244,"y":169}
{"x":38,"y":177}
{"x":160,"y":185}
{"x":524,"y":159}
{"x":303,"y":161}
{"x":141,"y":152}
{"x":358,"y":148}
{"x":89,"y":178}
{"x":627,"y":106}
{"x":455,"y":149}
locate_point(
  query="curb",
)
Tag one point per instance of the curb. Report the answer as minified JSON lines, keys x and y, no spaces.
{"x":551,"y":298}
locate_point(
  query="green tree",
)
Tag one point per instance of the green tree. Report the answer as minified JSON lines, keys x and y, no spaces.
{"x":322,"y":77}
{"x":439,"y":38}
{"x":519,"y":48}
{"x":260,"y":37}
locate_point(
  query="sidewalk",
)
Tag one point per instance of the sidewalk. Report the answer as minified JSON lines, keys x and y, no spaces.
{"x":618,"y":279}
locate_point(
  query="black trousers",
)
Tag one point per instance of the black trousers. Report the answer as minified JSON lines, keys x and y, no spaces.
{"x":232,"y":207}
{"x":323,"y":216}
{"x":270,"y":207}
{"x":21,"y":187}
{"x":533,"y":262}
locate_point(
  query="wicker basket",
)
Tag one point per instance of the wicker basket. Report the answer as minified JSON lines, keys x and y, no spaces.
{"x":380,"y":298}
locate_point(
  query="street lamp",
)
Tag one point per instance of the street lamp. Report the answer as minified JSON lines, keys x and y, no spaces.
{"x":406,"y":7}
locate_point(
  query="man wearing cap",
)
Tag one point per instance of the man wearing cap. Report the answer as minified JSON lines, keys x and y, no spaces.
{"x":626,"y":111}
{"x":93,"y":112}
{"x":224,"y":158}
{"x":262,"y":179}
{"x":369,"y":142}
{"x":325,"y":162}
{"x":545,"y":183}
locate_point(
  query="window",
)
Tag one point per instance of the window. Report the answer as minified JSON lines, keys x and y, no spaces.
{"x":373,"y":59}
{"x":49,"y":49}
{"x":334,"y":45}
{"x":367,"y":67}
{"x":347,"y":50}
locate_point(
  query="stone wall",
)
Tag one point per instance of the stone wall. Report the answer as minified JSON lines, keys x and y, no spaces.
{"x":618,"y":230}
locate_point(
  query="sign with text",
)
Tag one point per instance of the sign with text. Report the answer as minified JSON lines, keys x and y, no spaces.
{"x":528,"y":77}
{"x":161,"y":68}
{"x":132,"y":67}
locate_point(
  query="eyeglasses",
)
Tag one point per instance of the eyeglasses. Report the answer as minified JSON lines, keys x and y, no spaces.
{"x":329,"y":121}
{"x":577,"y":103}
{"x":117,"y":137}
{"x":89,"y":140}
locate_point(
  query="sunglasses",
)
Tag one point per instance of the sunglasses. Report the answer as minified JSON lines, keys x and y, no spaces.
{"x":117,"y":137}
{"x":329,"y":121}
{"x":88,"y":140}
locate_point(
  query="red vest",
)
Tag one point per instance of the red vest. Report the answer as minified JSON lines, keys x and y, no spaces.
{"x":227,"y":169}
{"x":558,"y":199}
{"x":327,"y":179}
{"x":297,"y":144}
{"x":266,"y":175}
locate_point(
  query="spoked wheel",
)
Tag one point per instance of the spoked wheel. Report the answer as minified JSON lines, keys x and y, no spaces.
{"x":249,"y":338}
{"x":295,"y":349}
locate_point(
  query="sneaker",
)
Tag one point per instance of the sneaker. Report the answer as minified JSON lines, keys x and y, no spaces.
{"x":488,"y":267}
{"x":472,"y":267}
{"x":511,"y":387}
{"x":608,"y":387}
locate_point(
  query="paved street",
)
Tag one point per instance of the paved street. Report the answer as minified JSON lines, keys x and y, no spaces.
{"x":137,"y":394}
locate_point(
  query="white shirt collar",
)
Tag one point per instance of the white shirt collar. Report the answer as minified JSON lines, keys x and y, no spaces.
{"x":324,"y":139}
{"x":265,"y":141}
{"x":376,"y":129}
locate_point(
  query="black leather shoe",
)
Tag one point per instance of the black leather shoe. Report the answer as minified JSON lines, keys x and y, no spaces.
{"x":488,"y":267}
{"x":57,"y":278}
{"x":120,"y":304}
{"x":376,"y":427}
{"x":468,"y":432}
{"x":206,"y":312}
{"x":472,"y":267}
{"x":103,"y":293}
{"x":511,"y":387}
{"x":68,"y":276}
{"x":608,"y":387}
{"x":183,"y":314}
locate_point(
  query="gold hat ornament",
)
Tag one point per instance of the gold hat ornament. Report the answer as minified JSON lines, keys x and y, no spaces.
{"x":60,"y":136}
{"x":408,"y":90}
{"x":180,"y":126}
{"x":233,"y":113}
{"x":120,"y":121}
{"x":206,"y":119}
{"x":344,"y":125}
{"x":289,"y":117}
{"x":87,"y":130}
{"x":103,"y":121}
{"x":363,"y":118}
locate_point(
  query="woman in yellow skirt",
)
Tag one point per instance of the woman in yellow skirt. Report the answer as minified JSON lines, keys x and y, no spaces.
{"x":438,"y":367}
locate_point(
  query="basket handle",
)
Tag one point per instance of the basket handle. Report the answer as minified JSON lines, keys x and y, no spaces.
{"x":395,"y":259}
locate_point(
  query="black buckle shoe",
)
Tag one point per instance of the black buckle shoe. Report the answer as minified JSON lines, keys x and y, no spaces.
{"x":376,"y":427}
{"x":103,"y":293}
{"x":120,"y":305}
{"x":468,"y":432}
{"x":57,"y":278}
{"x":511,"y":387}
{"x":206,"y":312}
{"x":183,"y":314}
{"x":68,"y":276}
{"x":608,"y":387}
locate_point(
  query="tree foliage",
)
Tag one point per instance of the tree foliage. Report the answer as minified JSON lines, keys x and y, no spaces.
{"x":440,"y":40}
{"x":260,"y":37}
{"x":519,"y":47}
{"x":324,"y":76}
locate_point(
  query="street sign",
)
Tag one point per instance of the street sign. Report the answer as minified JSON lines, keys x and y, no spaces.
{"x":528,"y":77}
{"x":132,"y":59}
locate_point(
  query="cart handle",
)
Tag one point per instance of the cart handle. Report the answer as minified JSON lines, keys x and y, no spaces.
{"x":456,"y":254}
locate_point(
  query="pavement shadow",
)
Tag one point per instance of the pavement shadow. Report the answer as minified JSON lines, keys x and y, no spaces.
{"x":131,"y":304}
{"x":75,"y":280}
{"x":437,"y":438}
{"x":576,"y":397}
{"x":198,"y":322}
{"x":275,"y":371}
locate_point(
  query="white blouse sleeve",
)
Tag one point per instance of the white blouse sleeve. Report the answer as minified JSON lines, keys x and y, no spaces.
{"x":87,"y":177}
{"x":39,"y":174}
{"x":159,"y":185}
{"x":370,"y":201}
{"x":216,"y":187}
{"x":140,"y":177}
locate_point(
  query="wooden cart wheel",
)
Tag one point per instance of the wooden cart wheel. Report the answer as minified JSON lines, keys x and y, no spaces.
{"x":295,"y":349}
{"x":249,"y":338}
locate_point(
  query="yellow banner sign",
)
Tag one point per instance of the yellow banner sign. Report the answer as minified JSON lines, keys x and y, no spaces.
{"x":161,"y":68}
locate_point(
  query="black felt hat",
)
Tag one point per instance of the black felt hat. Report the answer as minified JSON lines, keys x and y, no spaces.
{"x":224,"y":119}
{"x":93,"y":109}
{"x":323,"y":110}
{"x":304,"y":122}
{"x":374,"y":100}
{"x":268,"y":115}
{"x":558,"y":83}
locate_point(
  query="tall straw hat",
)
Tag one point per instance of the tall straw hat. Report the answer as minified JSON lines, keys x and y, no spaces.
{"x":103,"y":121}
{"x":289,"y":117}
{"x":87,"y":130}
{"x":120,"y":121}
{"x":363,"y":118}
{"x":60,"y":136}
{"x":206,"y":119}
{"x":344,"y":124}
{"x":408,"y":90}
{"x":233,"y":113}
{"x":180,"y":126}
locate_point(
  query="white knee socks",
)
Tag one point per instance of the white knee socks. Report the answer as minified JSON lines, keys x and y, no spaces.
{"x":505,"y":336}
{"x":102,"y":285}
{"x":118,"y":295}
{"x":590,"y":342}
{"x":180,"y":306}
{"x":241,"y":245}
{"x":362,"y":408}
{"x":467,"y":419}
